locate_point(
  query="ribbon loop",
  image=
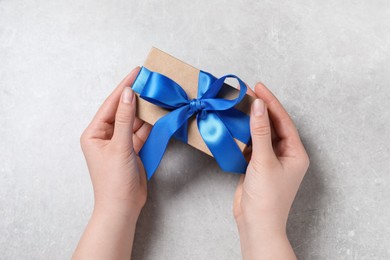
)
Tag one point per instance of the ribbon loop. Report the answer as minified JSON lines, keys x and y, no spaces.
{"x":219,"y":123}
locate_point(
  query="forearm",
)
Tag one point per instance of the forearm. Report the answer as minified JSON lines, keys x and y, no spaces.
{"x":109,"y":235}
{"x":258,"y":243}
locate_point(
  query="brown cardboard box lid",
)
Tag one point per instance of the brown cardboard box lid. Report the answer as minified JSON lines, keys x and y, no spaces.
{"x":187,"y":77}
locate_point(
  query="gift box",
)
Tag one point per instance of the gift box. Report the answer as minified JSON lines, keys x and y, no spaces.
{"x":210,"y":115}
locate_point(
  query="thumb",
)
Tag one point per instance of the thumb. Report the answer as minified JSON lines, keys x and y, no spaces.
{"x":124,"y":119}
{"x":262,"y":150}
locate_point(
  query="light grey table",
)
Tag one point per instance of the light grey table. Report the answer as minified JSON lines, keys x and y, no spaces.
{"x":327,"y":61}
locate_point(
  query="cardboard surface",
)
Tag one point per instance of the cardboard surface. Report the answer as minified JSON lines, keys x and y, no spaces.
{"x":187,"y":77}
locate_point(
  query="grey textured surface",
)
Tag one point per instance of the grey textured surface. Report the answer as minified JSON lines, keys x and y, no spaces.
{"x":327,"y":61}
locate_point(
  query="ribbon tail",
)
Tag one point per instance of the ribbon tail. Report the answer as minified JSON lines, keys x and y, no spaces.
{"x":154,"y":148}
{"x":237,"y":123}
{"x":182,"y":133}
{"x":221,"y":143}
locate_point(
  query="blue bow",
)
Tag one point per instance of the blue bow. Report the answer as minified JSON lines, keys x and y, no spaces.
{"x":218,"y":121}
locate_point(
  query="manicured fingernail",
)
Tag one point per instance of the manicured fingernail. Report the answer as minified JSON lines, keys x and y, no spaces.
{"x":127,"y":95}
{"x":258,"y":107}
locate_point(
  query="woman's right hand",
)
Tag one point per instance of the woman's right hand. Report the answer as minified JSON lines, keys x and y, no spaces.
{"x":265,"y":193}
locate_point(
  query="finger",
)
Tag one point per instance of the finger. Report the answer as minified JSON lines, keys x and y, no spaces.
{"x":143,"y":182}
{"x":137,"y":143}
{"x":143,"y":131}
{"x":260,"y":127}
{"x":106,"y":113}
{"x":249,"y":91}
{"x":124,"y":119}
{"x":138,"y":123}
{"x":140,"y":136}
{"x":284,"y":126}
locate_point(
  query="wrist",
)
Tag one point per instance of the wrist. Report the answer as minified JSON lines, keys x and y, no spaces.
{"x":265,"y":223}
{"x":118,"y":210}
{"x":262,"y":237}
{"x":260,"y":227}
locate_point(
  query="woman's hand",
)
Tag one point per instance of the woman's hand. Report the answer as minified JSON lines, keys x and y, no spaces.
{"x":110,"y":144}
{"x":265,"y":194}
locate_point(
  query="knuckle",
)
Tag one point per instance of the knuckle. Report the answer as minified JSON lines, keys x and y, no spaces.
{"x":256,"y":164}
{"x":125,"y":150}
{"x":260,"y":130}
{"x":83,"y":139}
{"x":123,"y":117}
{"x":110,"y":102}
{"x":266,"y":162}
{"x":305,"y":160}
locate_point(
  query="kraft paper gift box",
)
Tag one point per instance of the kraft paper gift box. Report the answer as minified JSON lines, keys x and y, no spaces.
{"x":187,"y":77}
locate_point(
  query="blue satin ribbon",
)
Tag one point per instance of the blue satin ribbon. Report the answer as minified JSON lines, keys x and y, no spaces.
{"x":218,"y":121}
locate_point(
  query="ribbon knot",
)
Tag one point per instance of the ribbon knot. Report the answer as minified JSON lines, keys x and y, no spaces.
{"x":196,"y":105}
{"x":219,"y":123}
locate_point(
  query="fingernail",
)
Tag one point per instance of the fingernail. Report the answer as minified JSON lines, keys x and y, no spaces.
{"x":127,"y":95}
{"x":258,"y":107}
